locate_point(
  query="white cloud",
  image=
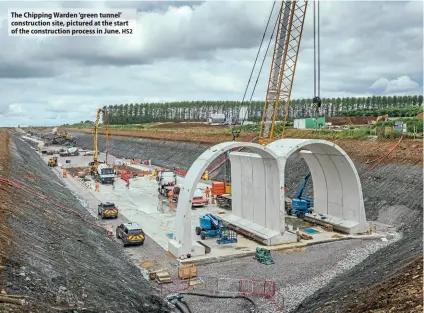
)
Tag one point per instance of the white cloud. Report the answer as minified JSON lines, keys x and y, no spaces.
{"x":399,"y":85}
{"x":203,"y":51}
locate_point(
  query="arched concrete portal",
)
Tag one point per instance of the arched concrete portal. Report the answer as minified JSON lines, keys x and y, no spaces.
{"x":181,"y":244}
{"x":337,"y":189}
{"x":336,"y":183}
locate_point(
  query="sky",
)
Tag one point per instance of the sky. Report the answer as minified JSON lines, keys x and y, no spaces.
{"x":187,"y":51}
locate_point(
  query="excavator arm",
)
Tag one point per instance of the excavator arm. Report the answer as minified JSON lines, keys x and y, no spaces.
{"x":287,"y":45}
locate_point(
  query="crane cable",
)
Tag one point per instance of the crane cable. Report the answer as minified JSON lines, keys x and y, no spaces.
{"x":235,"y":133}
{"x":316,"y":101}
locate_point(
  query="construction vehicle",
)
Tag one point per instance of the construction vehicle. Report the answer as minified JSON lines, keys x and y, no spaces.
{"x":62,"y":138}
{"x":198,"y":197}
{"x":212,"y":226}
{"x":107,"y":210}
{"x":69,"y":152}
{"x":102,"y":172}
{"x":166,"y":181}
{"x":300,"y":205}
{"x":130,"y":233}
{"x":381,"y":118}
{"x":52,"y":162}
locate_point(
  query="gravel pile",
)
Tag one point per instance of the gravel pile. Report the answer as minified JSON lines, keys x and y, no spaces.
{"x":60,"y":262}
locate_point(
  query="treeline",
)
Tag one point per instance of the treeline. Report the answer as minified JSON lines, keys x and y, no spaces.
{"x":199,"y":111}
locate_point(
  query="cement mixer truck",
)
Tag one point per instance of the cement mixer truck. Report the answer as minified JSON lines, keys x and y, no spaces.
{"x":104,"y":173}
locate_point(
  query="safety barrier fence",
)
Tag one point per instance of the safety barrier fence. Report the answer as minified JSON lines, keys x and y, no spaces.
{"x":240,"y":286}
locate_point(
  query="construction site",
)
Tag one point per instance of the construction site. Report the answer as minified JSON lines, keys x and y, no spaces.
{"x":215,"y":217}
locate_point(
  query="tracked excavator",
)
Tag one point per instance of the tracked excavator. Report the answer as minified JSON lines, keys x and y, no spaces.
{"x":62,"y":138}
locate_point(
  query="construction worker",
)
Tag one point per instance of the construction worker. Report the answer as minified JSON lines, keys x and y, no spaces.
{"x":207,"y":192}
{"x":97,"y":186}
{"x":64,"y":174}
{"x":128,"y":184}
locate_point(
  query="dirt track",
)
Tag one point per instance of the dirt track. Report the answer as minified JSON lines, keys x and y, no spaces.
{"x":58,"y":261}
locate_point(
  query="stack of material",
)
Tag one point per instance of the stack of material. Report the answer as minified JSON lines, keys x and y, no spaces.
{"x":161,"y":276}
{"x":187,"y":271}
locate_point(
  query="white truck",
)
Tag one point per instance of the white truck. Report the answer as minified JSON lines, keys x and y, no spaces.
{"x":105,"y":174}
{"x":69,"y":152}
{"x":166,"y":181}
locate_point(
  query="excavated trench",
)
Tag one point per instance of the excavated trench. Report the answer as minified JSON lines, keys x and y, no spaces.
{"x":59,"y":262}
{"x":393,"y":194}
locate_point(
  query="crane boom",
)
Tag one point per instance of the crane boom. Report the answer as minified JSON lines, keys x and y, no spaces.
{"x":287,"y":45}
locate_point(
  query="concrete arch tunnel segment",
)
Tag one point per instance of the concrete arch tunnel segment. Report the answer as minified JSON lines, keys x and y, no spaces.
{"x":336,"y":183}
{"x":181,"y":243}
{"x":337,"y":188}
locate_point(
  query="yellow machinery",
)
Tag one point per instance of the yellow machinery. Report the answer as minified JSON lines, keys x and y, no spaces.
{"x":62,"y":137}
{"x":95,"y":162}
{"x":381,"y":118}
{"x":287,"y":45}
{"x":52,"y":162}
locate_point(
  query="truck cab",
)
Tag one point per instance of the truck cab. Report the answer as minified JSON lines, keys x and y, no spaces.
{"x":166,"y":181}
{"x":131,"y":234}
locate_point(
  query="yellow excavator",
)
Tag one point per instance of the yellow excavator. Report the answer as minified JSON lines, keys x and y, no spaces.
{"x":62,"y":138}
{"x":381,"y":118}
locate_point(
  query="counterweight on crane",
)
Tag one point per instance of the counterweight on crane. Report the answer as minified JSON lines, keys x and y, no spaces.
{"x":287,"y":45}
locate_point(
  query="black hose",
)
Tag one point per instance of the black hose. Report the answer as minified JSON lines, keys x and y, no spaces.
{"x":255,"y":309}
{"x":186,"y":305}
{"x":179,"y":307}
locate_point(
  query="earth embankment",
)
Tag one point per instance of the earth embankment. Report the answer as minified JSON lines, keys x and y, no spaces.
{"x":58,"y":262}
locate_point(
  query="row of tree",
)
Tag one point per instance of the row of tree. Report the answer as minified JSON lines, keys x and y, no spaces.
{"x":198,"y":111}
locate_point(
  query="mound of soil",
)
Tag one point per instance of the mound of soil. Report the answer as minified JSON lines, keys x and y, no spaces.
{"x":185,"y":125}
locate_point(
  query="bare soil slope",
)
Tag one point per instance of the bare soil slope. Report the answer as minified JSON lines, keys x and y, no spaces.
{"x":55,"y":259}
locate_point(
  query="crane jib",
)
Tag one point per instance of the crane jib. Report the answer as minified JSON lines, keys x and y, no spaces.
{"x":287,"y":45}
